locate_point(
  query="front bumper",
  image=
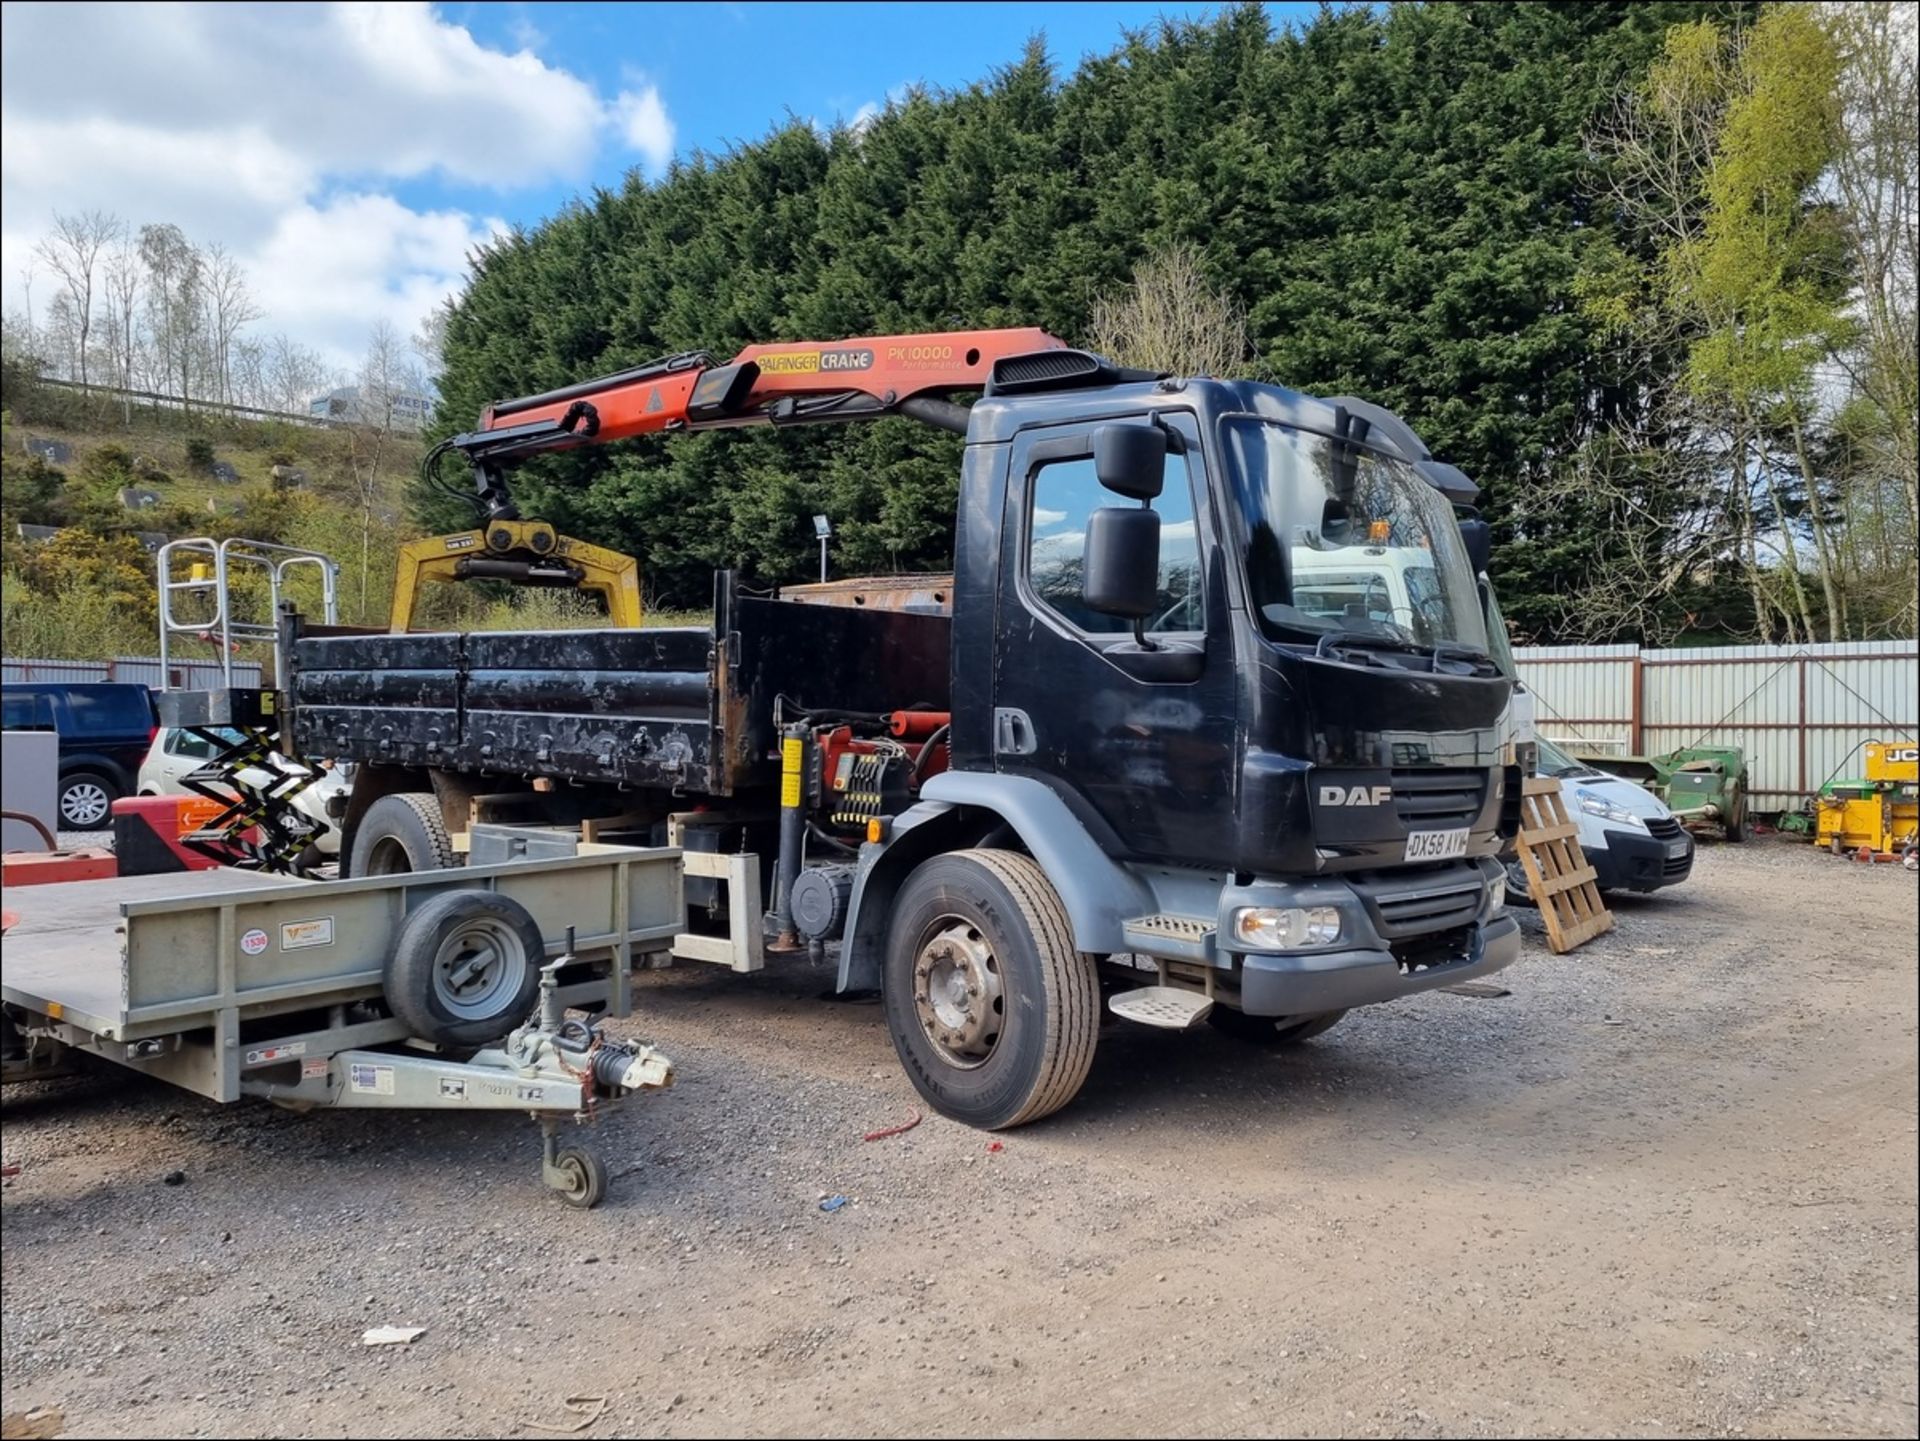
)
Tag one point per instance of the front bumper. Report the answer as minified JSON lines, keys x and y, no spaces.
{"x":1630,"y":862}
{"x":1311,"y":982}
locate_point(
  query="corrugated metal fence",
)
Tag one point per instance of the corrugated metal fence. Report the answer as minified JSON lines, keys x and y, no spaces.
{"x":1801,"y":713}
{"x":133,"y":669}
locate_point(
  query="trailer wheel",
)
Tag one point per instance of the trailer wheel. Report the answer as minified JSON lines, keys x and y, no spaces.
{"x":1272,"y":1030}
{"x":581,"y":1177}
{"x":1736,"y":827}
{"x":401,"y":833}
{"x":993,"y":1012}
{"x":465,"y":969}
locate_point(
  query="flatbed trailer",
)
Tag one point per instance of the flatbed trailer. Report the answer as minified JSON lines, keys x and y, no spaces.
{"x":237,"y":984}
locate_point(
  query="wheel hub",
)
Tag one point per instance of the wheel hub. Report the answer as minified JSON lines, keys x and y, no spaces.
{"x":475,"y":965}
{"x":957,"y":993}
{"x":86,"y":804}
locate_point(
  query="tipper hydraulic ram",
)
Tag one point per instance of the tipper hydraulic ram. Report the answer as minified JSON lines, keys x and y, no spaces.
{"x":1204,"y":724}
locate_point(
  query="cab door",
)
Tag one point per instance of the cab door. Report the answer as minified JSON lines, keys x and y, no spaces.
{"x":1139,"y":741}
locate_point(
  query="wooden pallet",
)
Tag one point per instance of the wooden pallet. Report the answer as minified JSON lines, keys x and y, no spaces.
{"x":1559,"y":879}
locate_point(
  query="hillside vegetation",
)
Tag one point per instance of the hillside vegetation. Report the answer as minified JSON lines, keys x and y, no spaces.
{"x":89,"y":593}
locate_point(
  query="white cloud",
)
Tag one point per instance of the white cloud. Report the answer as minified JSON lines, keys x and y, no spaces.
{"x":275,"y":130}
{"x":644,"y":123}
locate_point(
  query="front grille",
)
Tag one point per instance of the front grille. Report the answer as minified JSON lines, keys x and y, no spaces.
{"x":1419,"y":903}
{"x":1439,"y":799}
{"x":1425,"y":953}
{"x":1663,"y":828}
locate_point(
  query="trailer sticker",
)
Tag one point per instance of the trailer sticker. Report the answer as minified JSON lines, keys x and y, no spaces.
{"x":532,"y":1093}
{"x":254,"y":941}
{"x":286,"y":1051}
{"x":370,"y":1080}
{"x":313,"y":1069}
{"x":455,"y":1089}
{"x":299,"y":935}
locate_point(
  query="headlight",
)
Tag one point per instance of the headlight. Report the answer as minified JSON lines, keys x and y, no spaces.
{"x":1285,"y":928}
{"x":1595,"y":804}
{"x":1497,"y":896}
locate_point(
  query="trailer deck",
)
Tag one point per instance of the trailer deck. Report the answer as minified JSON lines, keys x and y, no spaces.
{"x":236,"y":983}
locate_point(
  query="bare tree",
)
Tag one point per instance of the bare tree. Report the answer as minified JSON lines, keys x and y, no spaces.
{"x":430,"y":340}
{"x":293,"y":375}
{"x":385,"y":375}
{"x":1876,"y":179}
{"x":230,"y":307}
{"x":248,"y":371}
{"x":72,"y":251}
{"x":173,"y":302}
{"x":1173,"y":318}
{"x":123,"y":282}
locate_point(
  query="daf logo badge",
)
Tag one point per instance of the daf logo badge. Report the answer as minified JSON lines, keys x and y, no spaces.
{"x":1357,"y":796}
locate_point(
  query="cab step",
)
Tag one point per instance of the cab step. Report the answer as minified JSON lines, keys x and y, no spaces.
{"x":1186,"y":938}
{"x":1167,"y":1007}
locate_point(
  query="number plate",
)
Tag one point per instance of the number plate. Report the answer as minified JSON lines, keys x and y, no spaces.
{"x":1437,"y":845}
{"x":1676,"y":849}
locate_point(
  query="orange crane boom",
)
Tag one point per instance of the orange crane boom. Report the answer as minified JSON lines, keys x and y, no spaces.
{"x":784,"y":383}
{"x":780,"y":383}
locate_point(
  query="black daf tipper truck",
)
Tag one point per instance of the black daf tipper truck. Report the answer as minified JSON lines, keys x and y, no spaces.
{"x":1202,"y":726}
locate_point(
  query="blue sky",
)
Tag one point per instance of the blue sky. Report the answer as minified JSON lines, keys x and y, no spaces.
{"x":350,"y":155}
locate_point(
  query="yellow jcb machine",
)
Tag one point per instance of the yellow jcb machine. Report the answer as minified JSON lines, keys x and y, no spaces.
{"x":1880,"y":810}
{"x":525,"y":552}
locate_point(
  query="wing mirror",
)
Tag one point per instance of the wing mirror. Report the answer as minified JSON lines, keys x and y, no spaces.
{"x":1130,"y":460}
{"x":1478,"y":536}
{"x":1120,"y":565}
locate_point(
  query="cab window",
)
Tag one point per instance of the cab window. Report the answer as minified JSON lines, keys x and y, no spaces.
{"x":1065,"y":493}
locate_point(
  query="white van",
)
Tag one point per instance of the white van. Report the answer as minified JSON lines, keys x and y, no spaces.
{"x":1630,"y":837}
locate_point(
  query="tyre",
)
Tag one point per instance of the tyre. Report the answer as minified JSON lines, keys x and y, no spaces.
{"x":1517,"y":892}
{"x":993,"y":1012}
{"x":465,"y":969}
{"x":1272,"y":1030}
{"x":86,"y":800}
{"x":586,"y":1177}
{"x":399,"y":834}
{"x":1736,"y":827}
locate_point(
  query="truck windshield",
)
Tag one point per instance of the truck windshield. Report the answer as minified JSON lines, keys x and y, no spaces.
{"x":1342,"y":538}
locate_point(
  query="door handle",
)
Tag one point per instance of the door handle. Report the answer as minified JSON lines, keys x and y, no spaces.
{"x":1013,"y":733}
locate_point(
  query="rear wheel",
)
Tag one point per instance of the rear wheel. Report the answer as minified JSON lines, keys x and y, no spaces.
{"x":399,"y":834}
{"x":1272,"y":1030}
{"x":86,"y":800}
{"x":993,"y":1012}
{"x":1736,"y":828}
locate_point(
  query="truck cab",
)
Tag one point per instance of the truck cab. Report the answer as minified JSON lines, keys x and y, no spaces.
{"x":1290,"y":808}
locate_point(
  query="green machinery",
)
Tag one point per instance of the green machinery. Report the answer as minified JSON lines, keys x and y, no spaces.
{"x":1704,"y":786}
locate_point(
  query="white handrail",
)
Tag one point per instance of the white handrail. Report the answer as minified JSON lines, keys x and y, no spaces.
{"x":275,"y":559}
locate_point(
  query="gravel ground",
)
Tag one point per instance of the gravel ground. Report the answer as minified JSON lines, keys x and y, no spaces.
{"x":1667,"y":1186}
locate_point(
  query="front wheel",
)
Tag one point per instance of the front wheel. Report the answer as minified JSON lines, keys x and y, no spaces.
{"x":993,"y":1012}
